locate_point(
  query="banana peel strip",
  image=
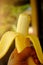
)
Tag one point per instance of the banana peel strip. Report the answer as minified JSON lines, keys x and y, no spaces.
{"x":37,"y":47}
{"x":6,"y":42}
{"x":10,"y":36}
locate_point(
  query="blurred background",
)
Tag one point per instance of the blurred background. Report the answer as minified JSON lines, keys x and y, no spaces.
{"x":9,"y":13}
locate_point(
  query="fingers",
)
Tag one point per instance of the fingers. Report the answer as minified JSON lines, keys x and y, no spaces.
{"x":12,"y":56}
{"x":25,"y":54}
{"x":20,"y":57}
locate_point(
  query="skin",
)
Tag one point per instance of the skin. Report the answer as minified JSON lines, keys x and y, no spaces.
{"x":21,"y":58}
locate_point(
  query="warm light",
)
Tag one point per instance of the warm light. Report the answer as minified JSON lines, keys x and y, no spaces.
{"x":30,"y":31}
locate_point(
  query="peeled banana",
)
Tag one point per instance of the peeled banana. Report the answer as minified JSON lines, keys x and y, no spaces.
{"x":20,"y":37}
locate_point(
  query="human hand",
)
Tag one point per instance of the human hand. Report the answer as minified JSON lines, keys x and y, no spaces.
{"x":21,"y":58}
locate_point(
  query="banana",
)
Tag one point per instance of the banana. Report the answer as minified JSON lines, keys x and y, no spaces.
{"x":22,"y":27}
{"x":20,"y":41}
{"x":20,"y":37}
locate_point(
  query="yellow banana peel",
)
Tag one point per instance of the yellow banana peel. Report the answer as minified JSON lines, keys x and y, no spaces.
{"x":21,"y":42}
{"x":10,"y":36}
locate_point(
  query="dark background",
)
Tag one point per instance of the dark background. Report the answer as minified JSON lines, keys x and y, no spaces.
{"x":40,"y":20}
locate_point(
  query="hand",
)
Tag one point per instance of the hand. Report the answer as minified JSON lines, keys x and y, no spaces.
{"x":20,"y":58}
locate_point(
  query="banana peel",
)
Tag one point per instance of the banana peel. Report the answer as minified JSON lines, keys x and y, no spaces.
{"x":20,"y":43}
{"x":5,"y":42}
{"x":8,"y":38}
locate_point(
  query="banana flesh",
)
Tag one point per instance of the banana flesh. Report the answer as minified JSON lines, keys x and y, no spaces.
{"x":23,"y":24}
